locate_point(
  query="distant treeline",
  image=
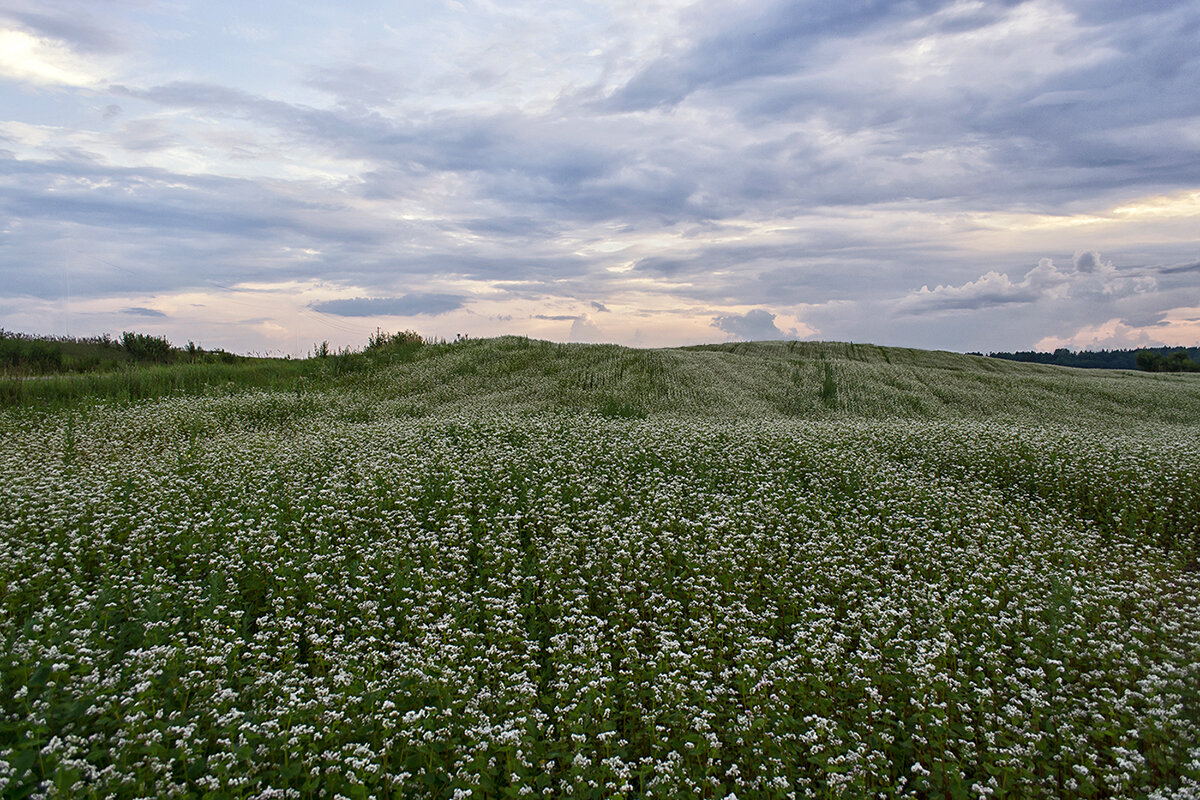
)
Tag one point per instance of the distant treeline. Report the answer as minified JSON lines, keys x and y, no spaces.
{"x":1149,"y":359}
{"x":24,"y":354}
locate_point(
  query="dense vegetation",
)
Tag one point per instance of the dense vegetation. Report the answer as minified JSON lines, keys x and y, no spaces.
{"x":69,"y":371}
{"x":24,"y":355}
{"x":503,"y":568}
{"x":1179,"y":361}
{"x":1151,"y":359}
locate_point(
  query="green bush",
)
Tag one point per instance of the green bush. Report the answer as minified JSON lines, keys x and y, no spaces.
{"x":30,"y":355}
{"x":402,"y":346}
{"x":144,"y":347}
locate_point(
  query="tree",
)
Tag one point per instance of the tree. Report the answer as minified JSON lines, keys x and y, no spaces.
{"x":1148,"y":361}
{"x":1178,"y":361}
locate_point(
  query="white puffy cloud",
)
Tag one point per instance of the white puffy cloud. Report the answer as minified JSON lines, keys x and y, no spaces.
{"x":1096,"y":277}
{"x":989,"y":290}
{"x":1088,"y":277}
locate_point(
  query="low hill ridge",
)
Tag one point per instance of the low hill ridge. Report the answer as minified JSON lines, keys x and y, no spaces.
{"x":773,"y":379}
{"x":408,"y":376}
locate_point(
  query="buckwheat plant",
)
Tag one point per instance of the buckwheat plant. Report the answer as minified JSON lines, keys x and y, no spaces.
{"x":275,"y":596}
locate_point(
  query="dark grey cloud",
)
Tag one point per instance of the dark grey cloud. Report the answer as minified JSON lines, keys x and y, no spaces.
{"x":827,"y":264}
{"x":75,"y":25}
{"x":494,"y":261}
{"x":1152,"y":319}
{"x":172,"y":230}
{"x":139,"y":311}
{"x":149,"y":213}
{"x":1106,"y":12}
{"x":562,"y":169}
{"x":1075,"y":127}
{"x":556,"y":317}
{"x":1193,"y":266}
{"x":408,"y":305}
{"x":574,"y":166}
{"x":755,"y":325}
{"x":667,"y":267}
{"x":733,"y":47}
{"x":1087,"y":261}
{"x":766,"y":158}
{"x":523,"y":226}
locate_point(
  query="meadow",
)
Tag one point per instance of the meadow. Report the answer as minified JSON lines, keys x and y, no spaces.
{"x":508,"y":568}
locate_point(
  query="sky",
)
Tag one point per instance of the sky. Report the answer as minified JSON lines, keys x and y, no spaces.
{"x":260,"y":177}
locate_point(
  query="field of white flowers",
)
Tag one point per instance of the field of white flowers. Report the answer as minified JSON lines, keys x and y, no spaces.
{"x":288,"y":595}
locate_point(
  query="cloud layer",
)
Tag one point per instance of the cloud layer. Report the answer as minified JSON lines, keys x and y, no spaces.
{"x":1089,"y":278}
{"x":409,"y":305}
{"x":645,"y":173}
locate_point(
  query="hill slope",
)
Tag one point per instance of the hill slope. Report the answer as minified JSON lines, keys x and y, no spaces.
{"x":746,"y":380}
{"x":768,"y":380}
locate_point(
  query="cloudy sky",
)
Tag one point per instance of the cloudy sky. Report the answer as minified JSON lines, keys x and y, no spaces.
{"x":262,"y":176}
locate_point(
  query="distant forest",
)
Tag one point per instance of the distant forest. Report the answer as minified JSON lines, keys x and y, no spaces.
{"x":1150,"y":359}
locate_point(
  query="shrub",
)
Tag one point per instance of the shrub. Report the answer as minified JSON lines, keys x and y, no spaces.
{"x":144,"y":347}
{"x":402,"y":345}
{"x":31,"y":355}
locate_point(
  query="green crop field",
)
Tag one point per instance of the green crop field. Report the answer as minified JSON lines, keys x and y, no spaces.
{"x":508,"y":568}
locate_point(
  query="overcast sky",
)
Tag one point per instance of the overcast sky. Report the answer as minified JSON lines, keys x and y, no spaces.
{"x":262,"y":176}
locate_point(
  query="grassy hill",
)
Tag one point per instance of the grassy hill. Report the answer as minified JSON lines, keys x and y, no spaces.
{"x":815,"y":380}
{"x":763,"y":380}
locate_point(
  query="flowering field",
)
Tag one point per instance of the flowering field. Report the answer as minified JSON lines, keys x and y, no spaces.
{"x":301,"y":594}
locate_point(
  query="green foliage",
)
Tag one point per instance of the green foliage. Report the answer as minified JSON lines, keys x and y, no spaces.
{"x":21,"y":354}
{"x":213,"y":375}
{"x":33,"y":356}
{"x":829,"y":388}
{"x":505,"y":565}
{"x":1178,"y":361}
{"x":1091,"y":359}
{"x":619,"y":408}
{"x":146,"y":348}
{"x":402,"y":345}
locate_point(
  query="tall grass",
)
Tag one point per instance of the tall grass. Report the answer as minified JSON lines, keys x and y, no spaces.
{"x":134,"y":383}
